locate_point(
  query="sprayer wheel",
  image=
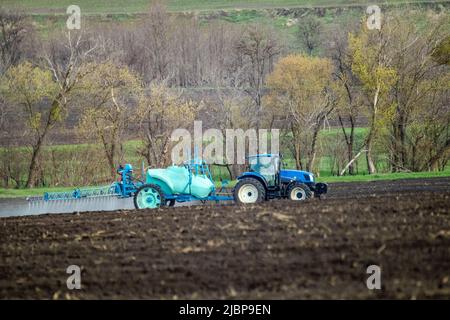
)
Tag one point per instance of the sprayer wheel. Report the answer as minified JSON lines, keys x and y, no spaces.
{"x":149,"y":196}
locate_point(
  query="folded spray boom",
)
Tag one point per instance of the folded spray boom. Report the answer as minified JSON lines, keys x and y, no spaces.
{"x":125,"y":187}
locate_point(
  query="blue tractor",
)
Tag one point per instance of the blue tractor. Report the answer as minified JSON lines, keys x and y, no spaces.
{"x":265,"y":179}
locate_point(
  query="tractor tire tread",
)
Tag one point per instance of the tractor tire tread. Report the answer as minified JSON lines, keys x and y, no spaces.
{"x":259,"y":186}
{"x":308,"y":191}
{"x":154,"y":186}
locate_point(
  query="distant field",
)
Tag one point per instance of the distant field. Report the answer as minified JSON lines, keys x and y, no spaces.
{"x":50,"y":15}
{"x":137,"y":6}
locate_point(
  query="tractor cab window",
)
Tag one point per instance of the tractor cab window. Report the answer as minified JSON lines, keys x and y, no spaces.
{"x":267,"y":166}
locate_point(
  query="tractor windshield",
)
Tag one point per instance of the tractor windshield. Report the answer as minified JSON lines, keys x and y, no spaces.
{"x":266,"y":165}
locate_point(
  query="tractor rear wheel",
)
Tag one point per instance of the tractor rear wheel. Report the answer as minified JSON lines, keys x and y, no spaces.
{"x":249,"y":191}
{"x":298,"y":192}
{"x":149,"y":196}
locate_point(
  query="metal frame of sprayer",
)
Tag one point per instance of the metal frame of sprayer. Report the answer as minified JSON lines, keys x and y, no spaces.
{"x":199,"y":167}
{"x":127,"y":185}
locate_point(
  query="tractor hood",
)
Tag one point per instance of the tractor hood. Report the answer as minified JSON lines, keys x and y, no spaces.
{"x":298,"y":175}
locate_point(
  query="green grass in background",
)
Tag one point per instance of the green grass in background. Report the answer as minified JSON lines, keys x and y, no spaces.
{"x":23,"y":193}
{"x":139,"y":6}
{"x":49,"y":15}
{"x":86,"y":6}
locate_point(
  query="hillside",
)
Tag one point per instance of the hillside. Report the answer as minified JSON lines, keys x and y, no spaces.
{"x":139,"y":6}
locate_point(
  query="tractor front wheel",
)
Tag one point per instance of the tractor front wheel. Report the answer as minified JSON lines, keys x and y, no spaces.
{"x":298,"y":192}
{"x":149,"y":196}
{"x":249,"y":191}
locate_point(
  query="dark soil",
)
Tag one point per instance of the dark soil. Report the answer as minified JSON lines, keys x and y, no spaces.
{"x":280,"y":249}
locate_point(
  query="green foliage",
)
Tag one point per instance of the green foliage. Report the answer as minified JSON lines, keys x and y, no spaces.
{"x":367,"y":56}
{"x":442,"y":52}
{"x":28,"y":86}
{"x":108,"y":93}
{"x":299,"y":92}
{"x":301,"y":80}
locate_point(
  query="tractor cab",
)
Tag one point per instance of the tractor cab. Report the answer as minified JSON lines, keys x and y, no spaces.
{"x":267,"y":166}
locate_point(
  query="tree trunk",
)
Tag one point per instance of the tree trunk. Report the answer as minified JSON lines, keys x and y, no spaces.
{"x":369,"y":143}
{"x":297,"y":156}
{"x":312,"y":155}
{"x":370,"y":164}
{"x":399,"y":145}
{"x":237,"y":169}
{"x":33,"y":165}
{"x":433,"y":163}
{"x":111,"y":161}
{"x":351,"y":162}
{"x":369,"y":140}
{"x":297,"y":149}
{"x":35,"y":156}
{"x":351,"y":167}
{"x":350,"y":145}
{"x":349,"y":141}
{"x":51,"y":120}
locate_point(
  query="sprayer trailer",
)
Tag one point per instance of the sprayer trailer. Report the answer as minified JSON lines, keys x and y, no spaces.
{"x":187,"y":183}
{"x":192,"y":181}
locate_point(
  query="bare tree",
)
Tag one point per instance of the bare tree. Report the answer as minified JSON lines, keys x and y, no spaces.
{"x":15,"y":30}
{"x":411,"y":53}
{"x":348,"y":106}
{"x":66,"y":75}
{"x":108,"y":94}
{"x":188,"y":40}
{"x":180,"y":52}
{"x":258,"y":48}
{"x":372,"y":65}
{"x":300,"y":88}
{"x":157,"y":37}
{"x":28,"y":87}
{"x":231,"y":113}
{"x":309,"y":31}
{"x":161,"y":111}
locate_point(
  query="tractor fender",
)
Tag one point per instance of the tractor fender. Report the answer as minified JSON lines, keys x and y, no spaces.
{"x":291,"y":181}
{"x":286,"y":184}
{"x":254,"y":175}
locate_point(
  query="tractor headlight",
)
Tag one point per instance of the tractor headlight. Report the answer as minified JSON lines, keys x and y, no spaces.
{"x":311,"y":177}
